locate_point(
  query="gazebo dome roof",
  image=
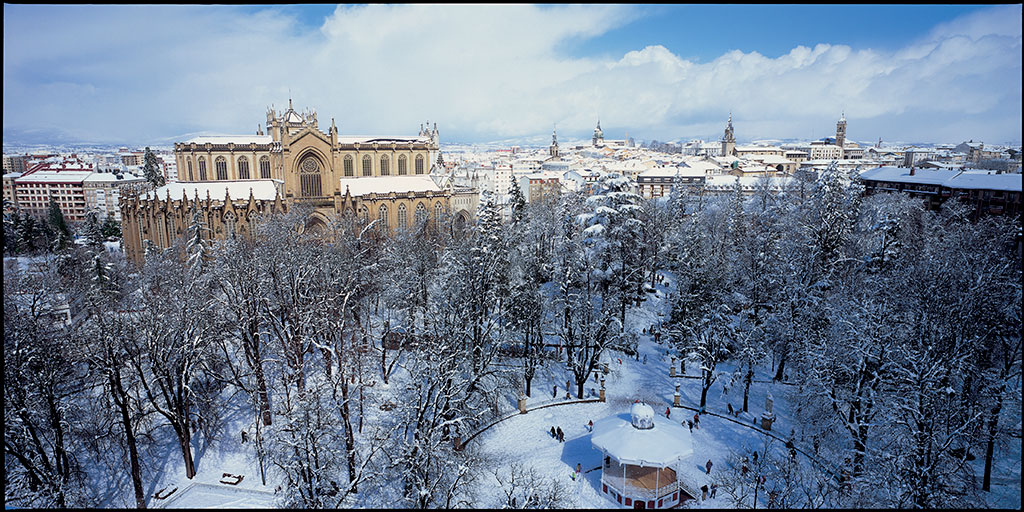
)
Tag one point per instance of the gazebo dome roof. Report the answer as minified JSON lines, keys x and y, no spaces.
{"x":641,"y":415}
{"x":663,"y":444}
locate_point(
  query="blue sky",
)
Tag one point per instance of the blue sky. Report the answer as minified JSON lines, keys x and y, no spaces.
{"x":150,"y":74}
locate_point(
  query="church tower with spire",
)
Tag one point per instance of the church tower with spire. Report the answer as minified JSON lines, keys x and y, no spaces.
{"x":841,"y":133}
{"x":553,"y":150}
{"x":729,"y":140}
{"x":598,"y":139}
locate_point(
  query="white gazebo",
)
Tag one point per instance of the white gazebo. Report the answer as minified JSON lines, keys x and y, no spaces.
{"x":642,"y":453}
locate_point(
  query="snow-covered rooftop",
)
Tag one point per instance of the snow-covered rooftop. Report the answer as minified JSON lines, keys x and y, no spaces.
{"x":54,"y":176}
{"x":382,"y":139}
{"x":663,"y":445}
{"x":974,"y":180}
{"x":237,"y":139}
{"x":103,"y":177}
{"x":387,"y":184}
{"x":239,"y":189}
{"x":951,"y":178}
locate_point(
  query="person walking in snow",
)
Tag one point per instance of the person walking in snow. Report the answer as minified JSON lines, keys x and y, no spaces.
{"x":690,"y":424}
{"x":730,"y":409}
{"x":708,"y":465}
{"x":553,"y":435}
{"x":560,"y":434}
{"x":714,"y":490}
{"x":554,"y":391}
{"x":579,"y":468}
{"x":668,"y":412}
{"x":590,"y":425}
{"x":704,"y":492}
{"x":696,"y":420}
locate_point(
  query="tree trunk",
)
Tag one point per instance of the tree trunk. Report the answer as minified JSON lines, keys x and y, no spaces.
{"x":779,"y":372}
{"x":121,"y":399}
{"x":993,"y":423}
{"x":747,"y":379}
{"x":706,"y":384}
{"x":350,"y":448}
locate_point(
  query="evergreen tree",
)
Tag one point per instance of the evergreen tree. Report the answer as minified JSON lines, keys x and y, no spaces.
{"x":59,"y":226}
{"x":197,"y":249}
{"x":111,"y":227}
{"x":93,"y":231}
{"x":151,"y":169}
{"x":518,"y":202}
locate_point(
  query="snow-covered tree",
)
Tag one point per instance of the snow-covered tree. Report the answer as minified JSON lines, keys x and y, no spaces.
{"x":151,"y":169}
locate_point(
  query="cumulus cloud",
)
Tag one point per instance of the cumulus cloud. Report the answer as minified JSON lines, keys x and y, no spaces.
{"x":142,"y":73}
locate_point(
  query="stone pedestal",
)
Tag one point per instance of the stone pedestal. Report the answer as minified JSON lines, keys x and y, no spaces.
{"x":769,"y":415}
{"x":672,"y":368}
{"x":522,"y":404}
{"x":605,"y":368}
{"x":457,"y":440}
{"x":675,"y":397}
{"x":602,"y":390}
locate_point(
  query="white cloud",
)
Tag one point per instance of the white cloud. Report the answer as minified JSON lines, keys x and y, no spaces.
{"x":485,"y":72}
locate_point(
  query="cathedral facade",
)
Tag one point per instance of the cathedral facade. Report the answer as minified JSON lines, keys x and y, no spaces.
{"x":231,"y":179}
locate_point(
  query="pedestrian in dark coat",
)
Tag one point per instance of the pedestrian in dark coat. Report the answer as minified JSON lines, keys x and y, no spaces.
{"x":554,"y":391}
{"x":703,"y":492}
{"x":730,"y":409}
{"x":690,"y":424}
{"x":696,"y":420}
{"x":708,"y":465}
{"x":553,"y":434}
{"x":561,"y":435}
{"x":714,"y":490}
{"x":668,"y":412}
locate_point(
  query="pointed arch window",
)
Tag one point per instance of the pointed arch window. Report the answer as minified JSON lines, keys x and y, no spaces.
{"x":309,"y":177}
{"x":382,"y":216}
{"x":384,"y":169}
{"x":421,"y":214}
{"x":349,"y":166}
{"x":264,"y":167}
{"x":172,"y":227}
{"x":230,"y":223}
{"x":403,"y":217}
{"x":438,"y":212}
{"x":221,"y":164}
{"x":202,"y":169}
{"x":161,"y":237}
{"x":403,"y":165}
{"x":419,"y":164}
{"x":364,"y":214}
{"x":367,"y":165}
{"x":243,"y":168}
{"x":191,"y":177}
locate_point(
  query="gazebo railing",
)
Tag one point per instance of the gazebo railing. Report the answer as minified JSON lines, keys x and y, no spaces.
{"x":622,"y":486}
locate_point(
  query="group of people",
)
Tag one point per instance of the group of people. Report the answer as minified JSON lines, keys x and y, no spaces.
{"x":695,"y":422}
{"x":704,"y":491}
{"x":556,"y":432}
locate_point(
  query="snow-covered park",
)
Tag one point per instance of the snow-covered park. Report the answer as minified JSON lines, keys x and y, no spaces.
{"x":806,"y":348}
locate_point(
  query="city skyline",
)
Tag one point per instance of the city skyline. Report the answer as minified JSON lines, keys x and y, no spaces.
{"x":156,"y":74}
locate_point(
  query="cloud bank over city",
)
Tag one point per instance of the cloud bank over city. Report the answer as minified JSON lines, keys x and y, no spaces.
{"x":140,"y":74}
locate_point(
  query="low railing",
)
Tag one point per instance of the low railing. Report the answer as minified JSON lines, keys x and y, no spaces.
{"x":622,"y":487}
{"x":314,"y":201}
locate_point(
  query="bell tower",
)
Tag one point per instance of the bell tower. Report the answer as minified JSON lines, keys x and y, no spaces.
{"x":728,"y":140}
{"x":841,"y":133}
{"x":553,"y":150}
